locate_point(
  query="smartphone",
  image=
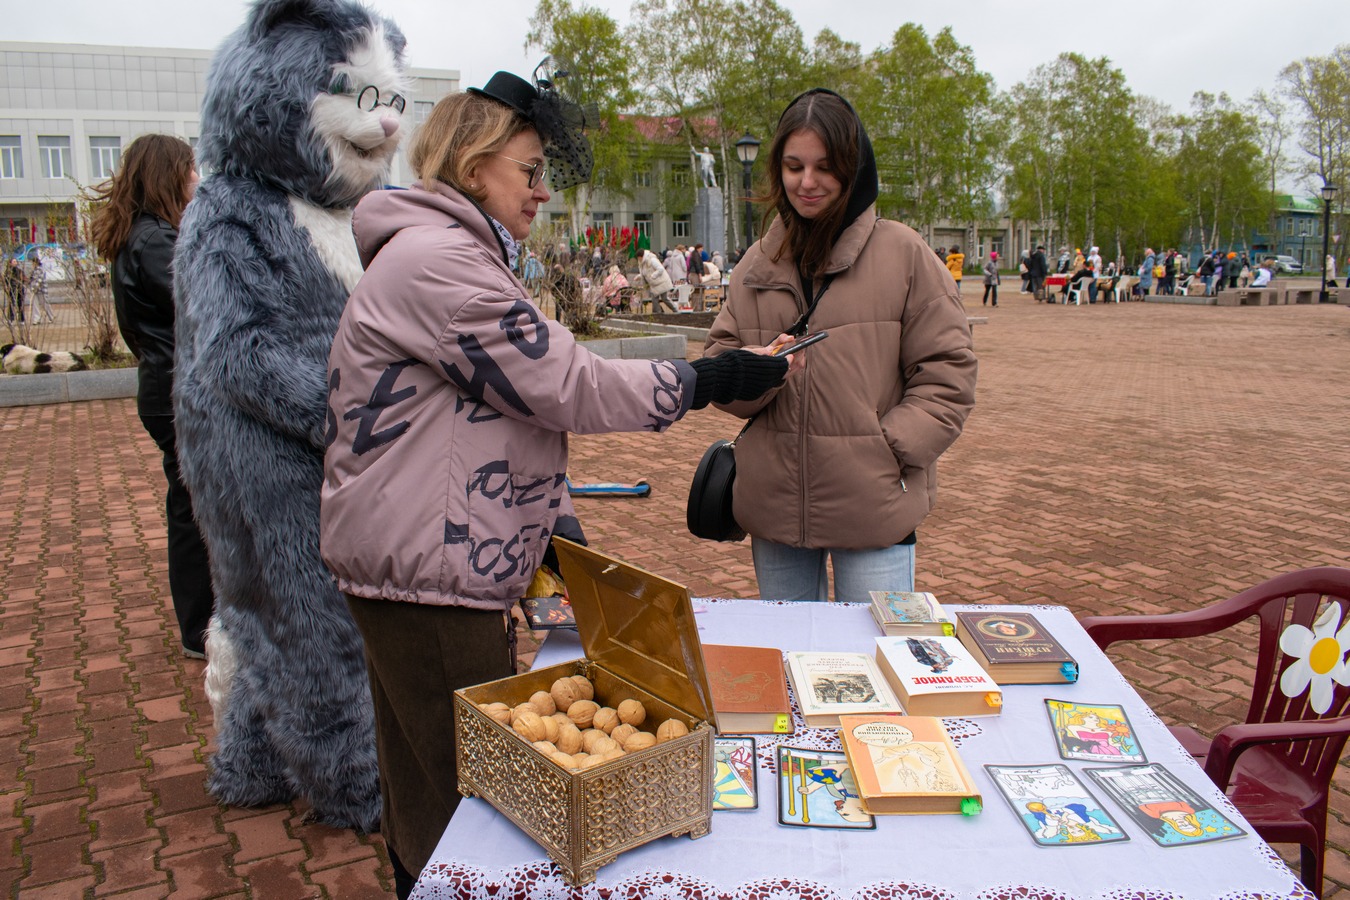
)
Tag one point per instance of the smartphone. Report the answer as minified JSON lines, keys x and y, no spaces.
{"x":802,"y":344}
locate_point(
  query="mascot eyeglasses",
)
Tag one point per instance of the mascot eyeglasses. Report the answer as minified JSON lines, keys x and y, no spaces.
{"x":369,"y":96}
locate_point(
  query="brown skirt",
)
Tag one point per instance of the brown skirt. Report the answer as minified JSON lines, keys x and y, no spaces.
{"x":417,"y":657}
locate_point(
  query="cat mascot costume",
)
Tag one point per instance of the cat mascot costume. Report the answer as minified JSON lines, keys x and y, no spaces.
{"x":301,"y":117}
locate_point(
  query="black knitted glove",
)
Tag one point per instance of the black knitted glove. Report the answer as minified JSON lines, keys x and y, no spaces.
{"x":736,"y":375}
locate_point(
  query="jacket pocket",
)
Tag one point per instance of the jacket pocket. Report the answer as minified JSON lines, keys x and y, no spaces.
{"x":511,"y":516}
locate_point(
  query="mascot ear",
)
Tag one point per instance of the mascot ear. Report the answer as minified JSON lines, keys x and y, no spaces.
{"x":268,"y":14}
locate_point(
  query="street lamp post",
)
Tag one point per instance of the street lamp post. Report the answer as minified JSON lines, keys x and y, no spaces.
{"x":1303,"y":247}
{"x":1328,"y":194}
{"x":747,"y":148}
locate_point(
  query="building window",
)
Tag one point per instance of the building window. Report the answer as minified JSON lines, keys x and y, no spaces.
{"x":603,"y":220}
{"x":642,"y":178}
{"x":643,"y":223}
{"x":104,"y":155}
{"x":679,"y":175}
{"x":679,"y":227}
{"x":11,"y":156}
{"x":421,"y":109}
{"x":54,"y":155}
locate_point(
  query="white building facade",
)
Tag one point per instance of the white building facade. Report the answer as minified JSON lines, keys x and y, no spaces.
{"x":67,"y":110}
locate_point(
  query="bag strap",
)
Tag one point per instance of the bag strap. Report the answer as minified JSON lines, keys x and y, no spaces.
{"x":797,"y":329}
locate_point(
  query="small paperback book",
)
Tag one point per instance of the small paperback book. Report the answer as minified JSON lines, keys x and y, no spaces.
{"x":910,"y":613}
{"x":1015,"y":648}
{"x":1054,"y":806}
{"x":907,"y":765}
{"x":829,"y":685}
{"x":937,"y":676}
{"x":749,"y":689}
{"x":735,"y":786}
{"x":1093,"y":732}
{"x":816,"y":790}
{"x":1171,"y":813}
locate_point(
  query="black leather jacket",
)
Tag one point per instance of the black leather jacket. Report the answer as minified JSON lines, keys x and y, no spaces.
{"x":142,"y":286}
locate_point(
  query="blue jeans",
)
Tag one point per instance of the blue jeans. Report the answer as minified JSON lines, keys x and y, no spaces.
{"x":793,"y":573}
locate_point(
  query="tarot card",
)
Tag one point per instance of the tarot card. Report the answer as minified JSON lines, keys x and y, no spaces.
{"x":816,"y":789}
{"x":547,"y":613}
{"x":735,"y":785}
{"x":1171,"y":813}
{"x":1054,"y":806}
{"x":1094,"y":732}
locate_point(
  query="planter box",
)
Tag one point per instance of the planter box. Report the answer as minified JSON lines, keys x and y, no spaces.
{"x":67,"y":387}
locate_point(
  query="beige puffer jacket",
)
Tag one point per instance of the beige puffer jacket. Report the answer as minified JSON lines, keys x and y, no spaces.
{"x":845,"y":453}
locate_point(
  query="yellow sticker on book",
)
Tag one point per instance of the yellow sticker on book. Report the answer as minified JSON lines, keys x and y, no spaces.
{"x":994,"y":700}
{"x":782,"y":724}
{"x":948,"y":629}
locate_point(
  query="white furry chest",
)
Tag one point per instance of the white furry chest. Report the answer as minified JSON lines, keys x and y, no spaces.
{"x":330,"y":232}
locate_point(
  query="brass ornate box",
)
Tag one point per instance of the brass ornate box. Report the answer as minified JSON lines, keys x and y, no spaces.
{"x":641,"y":642}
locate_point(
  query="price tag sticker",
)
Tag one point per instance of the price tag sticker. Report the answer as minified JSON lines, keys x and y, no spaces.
{"x":782,"y":724}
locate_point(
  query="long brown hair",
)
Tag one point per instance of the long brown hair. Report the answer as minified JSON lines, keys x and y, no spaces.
{"x":154,"y":176}
{"x":830,"y":118}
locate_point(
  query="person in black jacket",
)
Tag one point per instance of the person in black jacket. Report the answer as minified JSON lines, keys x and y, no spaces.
{"x":1037,"y":269}
{"x":136,"y":226}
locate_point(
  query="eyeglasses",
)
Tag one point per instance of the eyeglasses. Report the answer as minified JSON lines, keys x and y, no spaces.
{"x":537,"y":170}
{"x":369,"y":96}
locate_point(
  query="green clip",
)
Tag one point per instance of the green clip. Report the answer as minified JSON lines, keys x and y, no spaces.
{"x":971,"y":806}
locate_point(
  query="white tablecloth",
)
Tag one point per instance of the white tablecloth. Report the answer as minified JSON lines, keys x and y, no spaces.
{"x":748,"y":856}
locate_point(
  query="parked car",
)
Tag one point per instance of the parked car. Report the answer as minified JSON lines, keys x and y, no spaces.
{"x":1285,"y":263}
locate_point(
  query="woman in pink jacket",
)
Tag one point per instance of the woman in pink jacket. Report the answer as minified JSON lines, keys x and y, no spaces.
{"x":450,"y":398}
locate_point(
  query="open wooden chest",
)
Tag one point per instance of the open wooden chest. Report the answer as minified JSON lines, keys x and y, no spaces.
{"x":641,"y":643}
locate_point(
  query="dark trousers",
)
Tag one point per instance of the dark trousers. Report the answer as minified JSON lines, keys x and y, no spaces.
{"x":417,"y":657}
{"x":189,"y":569}
{"x":990,"y":290}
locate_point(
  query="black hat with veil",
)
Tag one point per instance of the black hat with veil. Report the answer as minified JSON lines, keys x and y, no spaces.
{"x":560,"y":121}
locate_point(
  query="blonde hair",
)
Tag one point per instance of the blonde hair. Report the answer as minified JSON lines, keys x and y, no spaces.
{"x":461,"y":131}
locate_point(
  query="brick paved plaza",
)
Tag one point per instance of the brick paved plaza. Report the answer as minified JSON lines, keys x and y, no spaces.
{"x":1121,"y":458}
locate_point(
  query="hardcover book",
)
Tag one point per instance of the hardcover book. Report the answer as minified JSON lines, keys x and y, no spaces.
{"x":907,"y":765}
{"x":1015,"y":648}
{"x":749,"y":689}
{"x":910,"y":613}
{"x":937,"y":676}
{"x":829,"y":685}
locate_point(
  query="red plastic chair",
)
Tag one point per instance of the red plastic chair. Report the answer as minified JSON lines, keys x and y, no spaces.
{"x":1276,"y":766}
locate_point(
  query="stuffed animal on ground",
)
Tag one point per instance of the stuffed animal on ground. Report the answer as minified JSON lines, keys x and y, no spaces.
{"x":23,"y":360}
{"x":301,"y":117}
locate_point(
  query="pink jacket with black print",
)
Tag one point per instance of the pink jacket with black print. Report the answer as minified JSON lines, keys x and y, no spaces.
{"x":450,"y":399}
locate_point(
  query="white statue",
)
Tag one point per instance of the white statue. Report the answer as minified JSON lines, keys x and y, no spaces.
{"x":705,"y":167}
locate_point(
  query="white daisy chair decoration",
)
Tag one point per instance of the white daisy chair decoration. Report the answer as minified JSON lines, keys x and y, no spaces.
{"x":1319,"y":658}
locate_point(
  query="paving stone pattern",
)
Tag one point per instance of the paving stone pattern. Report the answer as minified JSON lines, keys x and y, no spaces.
{"x":1122,"y":458}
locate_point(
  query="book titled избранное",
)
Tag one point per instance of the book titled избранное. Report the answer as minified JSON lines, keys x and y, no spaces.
{"x":937,"y":676}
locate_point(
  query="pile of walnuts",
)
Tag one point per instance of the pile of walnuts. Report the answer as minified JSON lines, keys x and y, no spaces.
{"x":567,"y":725}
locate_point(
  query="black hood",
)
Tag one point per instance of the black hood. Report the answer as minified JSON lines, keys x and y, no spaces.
{"x":865,"y":188}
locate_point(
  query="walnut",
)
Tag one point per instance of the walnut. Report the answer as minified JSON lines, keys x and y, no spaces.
{"x":521,"y":708}
{"x":563,"y":759}
{"x":542,"y":701}
{"x":605,"y":719}
{"x":551,"y":728}
{"x":499,"y":711}
{"x":621,"y":733}
{"x":614,"y":754}
{"x":632,"y":712}
{"x":582,"y":713}
{"x":592,"y":761}
{"x":545,"y":747}
{"x":530,"y":726}
{"x":671,"y":729}
{"x":564,"y":693}
{"x":584,"y":686}
{"x":639,"y":741}
{"x":603,"y":745}
{"x":589,"y":737}
{"x":569,"y":738}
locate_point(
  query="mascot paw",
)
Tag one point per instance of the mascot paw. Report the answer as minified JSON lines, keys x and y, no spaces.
{"x":248,"y":790}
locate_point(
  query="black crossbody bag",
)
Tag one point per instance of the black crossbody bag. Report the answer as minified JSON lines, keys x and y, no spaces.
{"x":708,"y":513}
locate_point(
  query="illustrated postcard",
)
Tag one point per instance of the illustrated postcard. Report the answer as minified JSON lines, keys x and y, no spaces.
{"x":816,"y":789}
{"x":1094,"y":732}
{"x":734,"y":783}
{"x":1171,"y":813}
{"x":1054,"y":806}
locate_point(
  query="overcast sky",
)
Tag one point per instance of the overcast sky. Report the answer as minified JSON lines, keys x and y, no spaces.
{"x":1166,"y":50}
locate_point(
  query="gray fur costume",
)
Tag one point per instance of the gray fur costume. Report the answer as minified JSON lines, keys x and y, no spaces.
{"x":264,"y":264}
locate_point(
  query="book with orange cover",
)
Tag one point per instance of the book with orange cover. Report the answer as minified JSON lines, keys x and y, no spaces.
{"x":749,"y":689}
{"x":907,"y":765}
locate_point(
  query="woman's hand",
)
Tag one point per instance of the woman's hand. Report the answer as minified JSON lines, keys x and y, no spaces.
{"x":796,"y":362}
